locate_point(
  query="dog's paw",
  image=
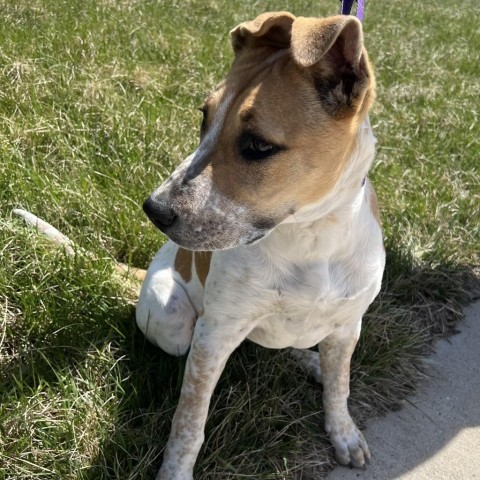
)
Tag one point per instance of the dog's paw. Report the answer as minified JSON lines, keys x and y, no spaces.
{"x":350,"y":445}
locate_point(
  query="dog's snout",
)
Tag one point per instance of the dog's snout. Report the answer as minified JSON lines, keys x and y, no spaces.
{"x":162,"y":215}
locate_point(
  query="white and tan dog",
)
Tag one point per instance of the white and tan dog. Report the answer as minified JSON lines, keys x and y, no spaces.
{"x":275,"y":231}
{"x":274,"y":226}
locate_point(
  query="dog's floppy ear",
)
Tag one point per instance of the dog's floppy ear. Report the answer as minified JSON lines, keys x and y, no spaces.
{"x":332,"y":48}
{"x":271,"y":29}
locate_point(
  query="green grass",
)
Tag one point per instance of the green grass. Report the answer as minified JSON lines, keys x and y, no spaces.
{"x":98,"y":103}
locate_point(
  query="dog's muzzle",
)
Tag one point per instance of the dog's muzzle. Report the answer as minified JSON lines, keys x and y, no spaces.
{"x":196,"y":216}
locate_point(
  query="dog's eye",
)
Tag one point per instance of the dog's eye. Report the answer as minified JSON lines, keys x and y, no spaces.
{"x":259,"y":145}
{"x":254,"y":148}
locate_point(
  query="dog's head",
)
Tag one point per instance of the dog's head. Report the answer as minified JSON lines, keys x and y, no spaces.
{"x":276,"y":133}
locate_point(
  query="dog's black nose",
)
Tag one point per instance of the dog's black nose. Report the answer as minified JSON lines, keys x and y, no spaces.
{"x":163,"y":216}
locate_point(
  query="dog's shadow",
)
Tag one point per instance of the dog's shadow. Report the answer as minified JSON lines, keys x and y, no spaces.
{"x":262,"y":408}
{"x":266,"y":415}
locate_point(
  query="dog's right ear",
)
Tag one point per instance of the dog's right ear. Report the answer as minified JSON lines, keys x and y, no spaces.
{"x":271,"y":29}
{"x":332,"y":50}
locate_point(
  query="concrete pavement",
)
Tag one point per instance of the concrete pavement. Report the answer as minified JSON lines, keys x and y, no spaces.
{"x":436,"y":436}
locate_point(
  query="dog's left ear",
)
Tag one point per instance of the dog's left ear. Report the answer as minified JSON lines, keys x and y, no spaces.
{"x":332,"y":49}
{"x":271,"y":29}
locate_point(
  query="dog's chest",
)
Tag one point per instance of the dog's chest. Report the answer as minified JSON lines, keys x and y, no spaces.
{"x":301,"y":309}
{"x":300,"y":285}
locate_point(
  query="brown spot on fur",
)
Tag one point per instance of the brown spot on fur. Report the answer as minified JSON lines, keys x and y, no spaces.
{"x":374,"y":206}
{"x":183,"y":263}
{"x":202,"y":265}
{"x":310,"y":177}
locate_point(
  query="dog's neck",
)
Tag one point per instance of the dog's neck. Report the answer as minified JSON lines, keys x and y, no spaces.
{"x":318,"y":230}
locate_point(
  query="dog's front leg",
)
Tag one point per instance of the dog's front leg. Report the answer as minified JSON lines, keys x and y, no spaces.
{"x":210,"y":349}
{"x":335,"y":355}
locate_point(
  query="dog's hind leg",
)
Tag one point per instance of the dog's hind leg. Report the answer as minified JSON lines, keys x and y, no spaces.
{"x":165,"y":313}
{"x":309,"y":360}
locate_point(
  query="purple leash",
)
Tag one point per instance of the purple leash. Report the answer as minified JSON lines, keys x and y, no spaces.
{"x":347,"y":8}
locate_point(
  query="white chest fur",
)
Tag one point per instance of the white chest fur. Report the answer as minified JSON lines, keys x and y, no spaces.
{"x":303,"y":281}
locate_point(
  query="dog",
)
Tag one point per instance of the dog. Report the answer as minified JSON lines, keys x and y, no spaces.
{"x":274,"y":228}
{"x":273,"y":224}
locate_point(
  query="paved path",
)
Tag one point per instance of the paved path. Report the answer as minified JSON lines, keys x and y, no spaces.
{"x":436,"y":436}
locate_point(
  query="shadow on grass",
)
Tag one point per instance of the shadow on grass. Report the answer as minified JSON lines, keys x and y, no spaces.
{"x":265,"y":415}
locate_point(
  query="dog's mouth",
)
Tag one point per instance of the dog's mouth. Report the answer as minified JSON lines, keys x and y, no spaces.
{"x":216,"y":238}
{"x":255,"y":239}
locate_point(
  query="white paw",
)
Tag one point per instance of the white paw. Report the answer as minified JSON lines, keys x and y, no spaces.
{"x":350,"y":445}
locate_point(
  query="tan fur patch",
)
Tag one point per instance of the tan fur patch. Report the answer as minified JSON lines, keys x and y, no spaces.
{"x":374,"y":206}
{"x":317,"y":146}
{"x":202,"y":265}
{"x":183,"y":263}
